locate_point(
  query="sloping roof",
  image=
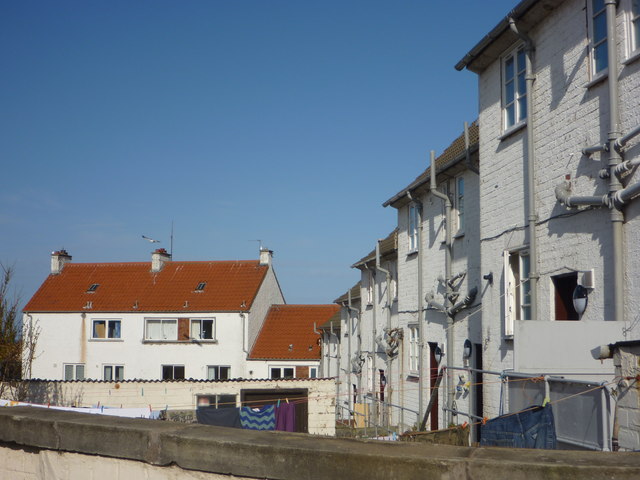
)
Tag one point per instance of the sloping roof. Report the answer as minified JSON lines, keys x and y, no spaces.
{"x":388,"y":246}
{"x":132,"y":287}
{"x":287,"y":332}
{"x":333,"y":323}
{"x":355,"y":294}
{"x":453,"y":154}
{"x":526,"y":14}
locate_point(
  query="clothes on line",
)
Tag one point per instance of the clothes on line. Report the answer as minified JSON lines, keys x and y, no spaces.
{"x":269,"y":417}
{"x":531,"y":428}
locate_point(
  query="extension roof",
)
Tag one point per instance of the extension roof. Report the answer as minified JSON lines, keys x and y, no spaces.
{"x":288,"y":332}
{"x":229,"y":286}
{"x":388,"y":248}
{"x":451,"y":159}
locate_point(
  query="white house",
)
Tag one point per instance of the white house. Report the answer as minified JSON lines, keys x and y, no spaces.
{"x":559,"y":117}
{"x":289,"y":342}
{"x":439,"y":283}
{"x":157,"y":320}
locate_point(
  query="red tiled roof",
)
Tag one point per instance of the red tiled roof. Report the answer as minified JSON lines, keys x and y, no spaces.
{"x":287,"y":332}
{"x":132,"y":287}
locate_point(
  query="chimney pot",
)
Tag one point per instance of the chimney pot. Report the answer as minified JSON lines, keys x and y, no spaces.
{"x":159,"y":258}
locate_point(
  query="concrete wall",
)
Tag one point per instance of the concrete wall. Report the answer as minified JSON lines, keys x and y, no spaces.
{"x":42,"y":444}
{"x":568,"y":115}
{"x":627,"y":362}
{"x":179,"y":395}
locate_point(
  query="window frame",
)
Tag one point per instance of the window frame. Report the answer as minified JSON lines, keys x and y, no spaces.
{"x":218,"y":372}
{"x":114,"y":372}
{"x":200,"y":320}
{"x":516,"y":289}
{"x":75,"y":367}
{"x":107,"y":330}
{"x":162,"y":321}
{"x":632,"y":26}
{"x":459,"y":205}
{"x":173,"y":368}
{"x":519,"y":101}
{"x":414,"y":348}
{"x":413,"y":220}
{"x":282,"y":369}
{"x":204,"y":400}
{"x":594,"y":45}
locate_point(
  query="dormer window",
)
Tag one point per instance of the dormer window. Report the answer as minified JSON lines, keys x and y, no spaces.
{"x":201,"y":286}
{"x":93,"y":287}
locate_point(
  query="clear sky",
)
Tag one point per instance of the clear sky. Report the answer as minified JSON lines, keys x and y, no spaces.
{"x":285,"y":121}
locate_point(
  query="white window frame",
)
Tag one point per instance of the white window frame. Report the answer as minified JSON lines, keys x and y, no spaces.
{"x":282,"y":369}
{"x":196,"y":332}
{"x":632,"y":26}
{"x":459,"y":205}
{"x":216,"y":400}
{"x":313,"y":372}
{"x":115,"y":368}
{"x":516,"y":288}
{"x":107,"y":322}
{"x":412,"y":227}
{"x":173,"y":377}
{"x":519,"y":101}
{"x":78,"y":371}
{"x":597,"y":46}
{"x":165,"y":329}
{"x":216,"y":369}
{"x":414,"y":348}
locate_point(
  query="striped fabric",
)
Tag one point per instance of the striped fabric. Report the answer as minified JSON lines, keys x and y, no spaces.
{"x":263,"y":419}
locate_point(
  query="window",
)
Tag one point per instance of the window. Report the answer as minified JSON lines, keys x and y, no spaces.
{"x":161,"y":329}
{"x":370,"y":287}
{"x":106,"y":329}
{"x":412,"y":230}
{"x":282,"y":372}
{"x":413,"y":348}
{"x":172,"y":372}
{"x":516,"y":289}
{"x":313,"y":372}
{"x":74,"y":371}
{"x":459,"y":203}
{"x":203,"y":329}
{"x":93,"y":287}
{"x":563,"y":286}
{"x":598,"y":32}
{"x":514,"y":88}
{"x":200,"y":286}
{"x":634,"y":26}
{"x":223,"y":400}
{"x":218,"y":372}
{"x":113,"y":372}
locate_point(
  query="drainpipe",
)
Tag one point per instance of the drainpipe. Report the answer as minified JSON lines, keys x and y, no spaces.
{"x":387,"y":274}
{"x":374,"y":346}
{"x":350,"y":329}
{"x":614,"y":160}
{"x":532,"y":216}
{"x":447,"y":283}
{"x":563,"y":195}
{"x":420,"y":309}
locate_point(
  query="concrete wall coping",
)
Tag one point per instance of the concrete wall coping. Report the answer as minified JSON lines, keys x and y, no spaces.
{"x":280,"y":455}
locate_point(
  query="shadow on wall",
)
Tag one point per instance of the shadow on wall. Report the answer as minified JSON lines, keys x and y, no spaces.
{"x":66,"y":394}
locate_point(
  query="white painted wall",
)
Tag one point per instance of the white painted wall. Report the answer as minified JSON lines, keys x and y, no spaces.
{"x":262,"y":368}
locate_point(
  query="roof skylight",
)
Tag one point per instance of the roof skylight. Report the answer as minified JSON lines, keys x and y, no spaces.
{"x":93,"y":287}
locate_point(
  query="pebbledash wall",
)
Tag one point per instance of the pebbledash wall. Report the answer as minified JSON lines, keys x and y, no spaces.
{"x":180,"y":395}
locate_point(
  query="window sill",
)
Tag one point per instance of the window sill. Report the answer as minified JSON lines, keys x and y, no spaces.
{"x":413,"y":376}
{"x":599,"y":78}
{"x":412,"y":252}
{"x":106,"y":340}
{"x":632,"y":58}
{"x":181,"y":342}
{"x":459,"y":235}
{"x":508,"y":337}
{"x":512,"y":130}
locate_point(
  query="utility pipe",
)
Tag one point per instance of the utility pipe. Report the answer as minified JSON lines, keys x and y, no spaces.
{"x":563,"y":195}
{"x":617,"y":218}
{"x":595,"y":149}
{"x":626,"y":166}
{"x":374,"y":345}
{"x":420,"y":310}
{"x":622,"y":141}
{"x":387,"y":275}
{"x":447,"y":277}
{"x":350,"y":332}
{"x":532,"y":216}
{"x":623,"y":196}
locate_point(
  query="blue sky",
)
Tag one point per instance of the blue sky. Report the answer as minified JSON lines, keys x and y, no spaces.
{"x":285,"y":121}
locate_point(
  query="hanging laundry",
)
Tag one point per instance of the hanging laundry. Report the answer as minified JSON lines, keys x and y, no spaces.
{"x":286,"y":417}
{"x":221,"y":417}
{"x":531,"y":428}
{"x":261,"y":419}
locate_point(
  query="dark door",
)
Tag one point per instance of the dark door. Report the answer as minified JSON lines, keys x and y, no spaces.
{"x":433,"y":377}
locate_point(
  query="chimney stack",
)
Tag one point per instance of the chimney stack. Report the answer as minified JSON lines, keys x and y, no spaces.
{"x":265,"y":256}
{"x":58,"y":259}
{"x":158,"y":259}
